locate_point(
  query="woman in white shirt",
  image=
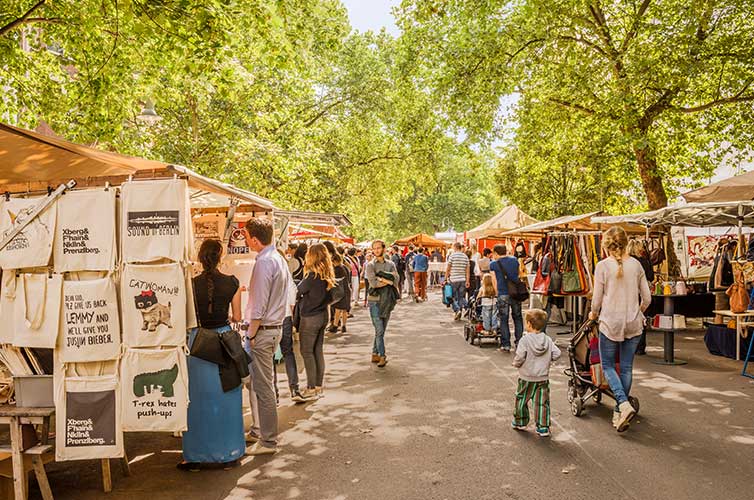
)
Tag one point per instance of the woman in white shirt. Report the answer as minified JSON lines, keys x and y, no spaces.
{"x":621,"y":295}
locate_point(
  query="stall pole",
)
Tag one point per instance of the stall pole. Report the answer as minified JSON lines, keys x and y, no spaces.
{"x":229,"y":221}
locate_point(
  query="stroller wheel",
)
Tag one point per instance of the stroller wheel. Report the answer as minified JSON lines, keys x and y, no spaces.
{"x":634,"y":402}
{"x":597,"y":397}
{"x":577,"y":407}
{"x":572,"y":394}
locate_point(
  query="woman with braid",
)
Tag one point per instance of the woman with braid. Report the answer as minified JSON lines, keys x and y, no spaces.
{"x":621,"y":295}
{"x":215,"y":436}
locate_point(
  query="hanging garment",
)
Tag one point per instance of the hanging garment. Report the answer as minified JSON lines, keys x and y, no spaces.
{"x":32,"y":247}
{"x":91,"y":325}
{"x":153,"y":221}
{"x":87,"y":419}
{"x":155,"y":390}
{"x":36,"y":310}
{"x":153,"y":305}
{"x":85,"y":232}
{"x":7,"y":304}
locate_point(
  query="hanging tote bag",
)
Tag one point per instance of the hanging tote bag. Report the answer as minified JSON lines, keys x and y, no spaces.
{"x":7,"y":304}
{"x":153,"y":305}
{"x":155,"y":390}
{"x":36,"y":310}
{"x":571,"y":283}
{"x":88,"y":419}
{"x":739,"y":298}
{"x":32,"y":247}
{"x":153,"y":220}
{"x":90,"y":330}
{"x":85,"y":232}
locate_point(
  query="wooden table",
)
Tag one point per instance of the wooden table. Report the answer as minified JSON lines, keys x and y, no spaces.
{"x":16,"y":417}
{"x":741,"y":322}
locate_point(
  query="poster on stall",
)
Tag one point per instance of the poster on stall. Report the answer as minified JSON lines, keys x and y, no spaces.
{"x":208,"y":227}
{"x":237,"y":244}
{"x":87,"y":419}
{"x":32,"y":247}
{"x":153,"y":220}
{"x":36,"y":310}
{"x":91,"y":327}
{"x":85,"y":232}
{"x":701,"y":255}
{"x":155,"y":390}
{"x":153,"y":305}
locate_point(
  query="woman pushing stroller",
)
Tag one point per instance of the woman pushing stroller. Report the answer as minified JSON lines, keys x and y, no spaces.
{"x":621,"y":295}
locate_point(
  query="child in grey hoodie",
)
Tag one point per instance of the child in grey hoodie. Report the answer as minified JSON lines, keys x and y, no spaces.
{"x":534,"y":354}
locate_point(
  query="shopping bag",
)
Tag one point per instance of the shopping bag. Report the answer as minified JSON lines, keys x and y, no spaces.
{"x":153,"y":305}
{"x":154,"y":220}
{"x":36,"y":310}
{"x":739,"y":297}
{"x":447,"y":294}
{"x":7,"y":304}
{"x":155,"y":390}
{"x":90,"y":330}
{"x":87,"y":419}
{"x":85,"y":232}
{"x":32,"y":247}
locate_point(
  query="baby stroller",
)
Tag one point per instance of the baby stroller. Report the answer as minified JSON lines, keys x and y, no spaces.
{"x":473,"y":328}
{"x":586,"y":380}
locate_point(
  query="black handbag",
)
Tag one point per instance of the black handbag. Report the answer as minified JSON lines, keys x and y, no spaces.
{"x":207,"y":346}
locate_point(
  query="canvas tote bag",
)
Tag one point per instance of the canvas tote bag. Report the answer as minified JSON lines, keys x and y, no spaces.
{"x":32,"y":247}
{"x":87,"y":419}
{"x":153,"y":305}
{"x":153,"y":220}
{"x":7,"y":304}
{"x":36,"y":310}
{"x":155,"y":390}
{"x":85,"y":232}
{"x":90,"y":329}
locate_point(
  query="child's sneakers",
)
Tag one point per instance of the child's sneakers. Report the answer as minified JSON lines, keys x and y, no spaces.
{"x":543,"y":432}
{"x":518,"y":427}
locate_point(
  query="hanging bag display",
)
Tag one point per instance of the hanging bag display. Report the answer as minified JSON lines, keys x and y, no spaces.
{"x":571,"y":283}
{"x":153,"y":305}
{"x":88,"y":419}
{"x":739,"y":298}
{"x":657,"y":251}
{"x":155,"y":390}
{"x":32,"y":247}
{"x":7,"y":304}
{"x":154,"y":220}
{"x":36,"y":310}
{"x":90,"y":330}
{"x":85,"y":232}
{"x":541,"y":283}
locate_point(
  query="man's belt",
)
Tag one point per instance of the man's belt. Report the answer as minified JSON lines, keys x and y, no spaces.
{"x":270,"y":327}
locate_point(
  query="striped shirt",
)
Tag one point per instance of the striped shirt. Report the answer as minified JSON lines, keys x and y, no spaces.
{"x":458,"y":263}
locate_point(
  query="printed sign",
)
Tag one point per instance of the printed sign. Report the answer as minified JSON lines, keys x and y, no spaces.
{"x":237,"y":244}
{"x":32,"y":247}
{"x":90,"y":418}
{"x":85,"y":233}
{"x":91,"y":328}
{"x":155,"y":392}
{"x":149,"y":224}
{"x":153,"y":301}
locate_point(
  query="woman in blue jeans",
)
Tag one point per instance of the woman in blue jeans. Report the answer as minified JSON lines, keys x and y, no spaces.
{"x":621,"y":295}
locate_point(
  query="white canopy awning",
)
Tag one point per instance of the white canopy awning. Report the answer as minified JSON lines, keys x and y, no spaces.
{"x":716,"y":214}
{"x":577,"y":222}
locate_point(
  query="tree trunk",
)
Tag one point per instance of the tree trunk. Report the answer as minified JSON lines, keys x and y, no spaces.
{"x":657,"y":198}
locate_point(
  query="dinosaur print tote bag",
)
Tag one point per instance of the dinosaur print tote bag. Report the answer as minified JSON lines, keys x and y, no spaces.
{"x":155,"y":390}
{"x":90,"y":327}
{"x":32,"y":247}
{"x":153,"y":305}
{"x":87,"y":418}
{"x":153,"y":220}
{"x":85,"y":232}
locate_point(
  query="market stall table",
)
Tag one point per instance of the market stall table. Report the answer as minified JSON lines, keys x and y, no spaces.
{"x":17,"y":417}
{"x":741,"y":322}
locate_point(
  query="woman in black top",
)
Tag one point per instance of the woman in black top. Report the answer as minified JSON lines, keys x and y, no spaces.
{"x":313,"y":299}
{"x":343,"y":306}
{"x":215,"y":433}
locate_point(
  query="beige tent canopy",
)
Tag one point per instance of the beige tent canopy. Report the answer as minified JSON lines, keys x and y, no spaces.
{"x":31,"y":162}
{"x":421,"y":239}
{"x":567,"y":222}
{"x":718,"y":214}
{"x":508,"y":218}
{"x":740,"y":187}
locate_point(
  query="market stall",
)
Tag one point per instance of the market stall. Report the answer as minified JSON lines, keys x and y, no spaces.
{"x":98,"y":272}
{"x":488,"y":233}
{"x":421,"y":240}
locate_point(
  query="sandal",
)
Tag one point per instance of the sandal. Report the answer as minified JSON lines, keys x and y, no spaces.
{"x":188,"y":466}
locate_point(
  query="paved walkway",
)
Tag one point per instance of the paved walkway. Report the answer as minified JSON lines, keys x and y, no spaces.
{"x":435,"y":424}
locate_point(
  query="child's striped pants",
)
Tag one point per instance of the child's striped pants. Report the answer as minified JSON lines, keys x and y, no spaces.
{"x":539,"y":393}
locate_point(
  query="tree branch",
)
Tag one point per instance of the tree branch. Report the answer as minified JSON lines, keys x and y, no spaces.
{"x":738,"y":97}
{"x":21,"y":20}
{"x":585,"y":42}
{"x":634,"y":26}
{"x":571,"y":105}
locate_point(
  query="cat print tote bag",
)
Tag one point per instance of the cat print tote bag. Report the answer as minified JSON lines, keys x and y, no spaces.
{"x":85,"y":232}
{"x":155,"y":390}
{"x":32,"y":247}
{"x":90,"y":329}
{"x":36,"y":310}
{"x":87,"y":419}
{"x":153,"y":305}
{"x":153,"y":220}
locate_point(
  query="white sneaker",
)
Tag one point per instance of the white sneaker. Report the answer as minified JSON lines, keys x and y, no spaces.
{"x":616,"y":418}
{"x":627,"y":413}
{"x":259,"y":449}
{"x":251,"y":437}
